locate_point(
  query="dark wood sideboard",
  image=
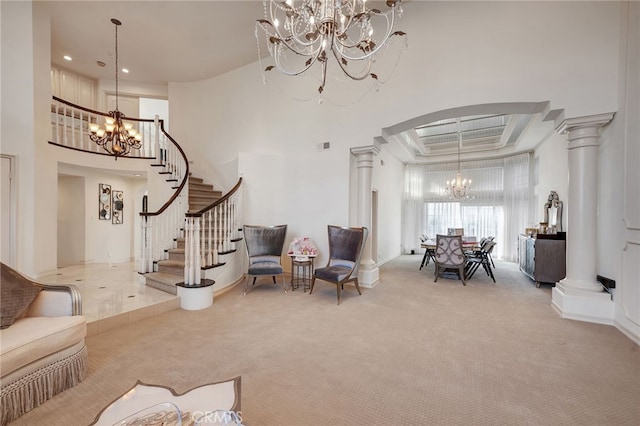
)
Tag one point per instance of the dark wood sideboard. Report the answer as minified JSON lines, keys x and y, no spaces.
{"x":543,"y":259}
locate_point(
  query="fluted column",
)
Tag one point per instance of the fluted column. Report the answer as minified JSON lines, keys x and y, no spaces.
{"x":369,"y":273}
{"x":579,"y":295}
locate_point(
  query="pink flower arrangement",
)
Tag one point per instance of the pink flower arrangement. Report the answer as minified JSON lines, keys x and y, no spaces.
{"x":302,"y":246}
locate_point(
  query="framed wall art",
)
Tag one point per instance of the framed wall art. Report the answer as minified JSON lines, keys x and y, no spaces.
{"x":118,"y":207}
{"x":104,"y":201}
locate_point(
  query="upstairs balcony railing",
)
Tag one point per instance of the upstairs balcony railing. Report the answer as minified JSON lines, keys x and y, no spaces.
{"x":70,"y":129}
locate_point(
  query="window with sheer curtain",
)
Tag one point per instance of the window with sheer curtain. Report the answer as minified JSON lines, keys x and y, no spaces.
{"x":499,"y":205}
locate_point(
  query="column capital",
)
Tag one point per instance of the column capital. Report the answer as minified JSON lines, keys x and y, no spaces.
{"x":364,"y":155}
{"x":597,"y":121}
{"x":584,"y":131}
{"x":367,"y":149}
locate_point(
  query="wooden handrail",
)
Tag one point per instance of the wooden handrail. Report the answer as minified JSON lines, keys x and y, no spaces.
{"x":99,"y":153}
{"x":217,"y":202}
{"x":182,"y":184}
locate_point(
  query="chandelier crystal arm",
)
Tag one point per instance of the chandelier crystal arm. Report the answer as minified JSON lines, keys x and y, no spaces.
{"x":363,"y":43}
{"x":364,"y":74}
{"x":310,"y":28}
{"x":276,"y":42}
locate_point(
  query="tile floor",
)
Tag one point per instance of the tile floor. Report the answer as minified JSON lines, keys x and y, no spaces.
{"x":112,"y":295}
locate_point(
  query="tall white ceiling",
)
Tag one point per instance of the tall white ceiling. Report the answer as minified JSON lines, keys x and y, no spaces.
{"x":158,"y":41}
{"x":184,"y":41}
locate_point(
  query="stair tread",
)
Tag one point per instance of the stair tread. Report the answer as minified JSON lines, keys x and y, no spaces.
{"x":201,"y":186}
{"x":199,"y":199}
{"x":204,"y":188}
{"x":203,"y":198}
{"x":169,"y":262}
{"x":201,"y":205}
{"x":164,"y":278}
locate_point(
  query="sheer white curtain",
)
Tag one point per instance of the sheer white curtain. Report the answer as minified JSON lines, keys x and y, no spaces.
{"x":499,"y":205}
{"x":412,"y":209}
{"x":517,"y":199}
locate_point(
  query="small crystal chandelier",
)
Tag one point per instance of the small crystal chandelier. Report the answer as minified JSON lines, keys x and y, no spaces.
{"x":458,"y":187}
{"x":301,"y":33}
{"x":117,"y":137}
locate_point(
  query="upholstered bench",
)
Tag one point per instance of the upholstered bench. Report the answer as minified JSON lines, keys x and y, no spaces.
{"x":42,"y":348}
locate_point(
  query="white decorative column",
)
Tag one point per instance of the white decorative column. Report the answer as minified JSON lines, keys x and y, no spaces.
{"x":579,"y":296}
{"x":369,"y":274}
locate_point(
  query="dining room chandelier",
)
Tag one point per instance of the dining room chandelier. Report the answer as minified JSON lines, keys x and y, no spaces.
{"x":117,"y":137}
{"x":302,"y":33}
{"x":459,"y":187}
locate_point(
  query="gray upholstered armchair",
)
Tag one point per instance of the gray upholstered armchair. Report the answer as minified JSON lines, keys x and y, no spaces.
{"x":345,"y":250}
{"x":264,"y":248}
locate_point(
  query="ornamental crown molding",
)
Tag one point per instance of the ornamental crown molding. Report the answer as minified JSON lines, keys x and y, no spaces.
{"x":598,"y":120}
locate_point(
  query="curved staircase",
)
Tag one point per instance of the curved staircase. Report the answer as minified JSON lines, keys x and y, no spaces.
{"x":170,"y":271}
{"x":186,"y":236}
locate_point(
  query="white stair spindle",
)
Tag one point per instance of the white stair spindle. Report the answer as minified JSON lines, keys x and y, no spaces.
{"x":210,"y":243}
{"x":203,"y":241}
{"x":215,"y":236}
{"x":156,"y":141}
{"x":144,"y":242}
{"x":196,"y":255}
{"x":187,"y":256}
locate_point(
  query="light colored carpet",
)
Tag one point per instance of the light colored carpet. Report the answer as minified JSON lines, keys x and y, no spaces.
{"x":407,"y":352}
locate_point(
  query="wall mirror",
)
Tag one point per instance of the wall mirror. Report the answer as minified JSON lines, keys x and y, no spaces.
{"x":553,"y":212}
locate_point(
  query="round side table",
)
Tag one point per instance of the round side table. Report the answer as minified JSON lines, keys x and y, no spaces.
{"x":301,"y":272}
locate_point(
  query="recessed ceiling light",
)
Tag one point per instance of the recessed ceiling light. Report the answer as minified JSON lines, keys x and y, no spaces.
{"x":67,"y":58}
{"x":101,"y":64}
{"x":137,"y":174}
{"x":125,"y":70}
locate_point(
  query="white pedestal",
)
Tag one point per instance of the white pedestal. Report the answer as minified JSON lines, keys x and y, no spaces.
{"x":193,"y":298}
{"x":583,"y":305}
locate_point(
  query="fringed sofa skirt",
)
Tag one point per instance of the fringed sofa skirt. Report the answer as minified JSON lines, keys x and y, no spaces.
{"x":30,"y":386}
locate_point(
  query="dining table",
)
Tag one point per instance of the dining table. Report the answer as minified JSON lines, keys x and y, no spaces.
{"x":468,"y":244}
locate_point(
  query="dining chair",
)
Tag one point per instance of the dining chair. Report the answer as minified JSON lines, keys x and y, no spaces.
{"x":429,"y":251}
{"x":345,"y":251}
{"x":491,"y":238}
{"x":449,"y":256}
{"x":264,"y":247}
{"x":481,"y":257}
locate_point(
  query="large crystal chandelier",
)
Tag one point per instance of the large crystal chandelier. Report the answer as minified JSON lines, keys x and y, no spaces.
{"x":117,"y":137}
{"x":459,"y":187}
{"x":302,"y":33}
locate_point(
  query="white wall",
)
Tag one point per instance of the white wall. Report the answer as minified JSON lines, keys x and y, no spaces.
{"x":104,"y":241}
{"x":25,"y":83}
{"x":128,"y":88}
{"x":618,"y":185}
{"x":388,"y":180}
{"x":71,"y":220}
{"x":552,"y":160}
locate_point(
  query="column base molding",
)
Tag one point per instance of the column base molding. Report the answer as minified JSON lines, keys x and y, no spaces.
{"x":583,"y":305}
{"x":368,"y":275}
